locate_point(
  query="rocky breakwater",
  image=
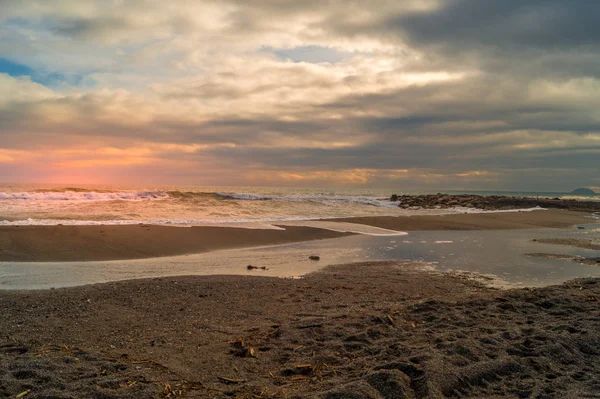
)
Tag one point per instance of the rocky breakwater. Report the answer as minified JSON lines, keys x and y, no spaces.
{"x":495,"y":202}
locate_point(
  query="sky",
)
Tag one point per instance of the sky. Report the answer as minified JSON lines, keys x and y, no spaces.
{"x":415,"y":94}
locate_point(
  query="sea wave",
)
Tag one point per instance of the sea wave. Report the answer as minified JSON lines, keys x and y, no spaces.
{"x":75,"y":189}
{"x":372,"y":201}
{"x":226,"y":220}
{"x":461,"y":209}
{"x":144,"y":195}
{"x":141,"y":195}
{"x":180,"y":222}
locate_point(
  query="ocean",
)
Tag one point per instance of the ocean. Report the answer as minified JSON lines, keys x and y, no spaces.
{"x":191,"y":205}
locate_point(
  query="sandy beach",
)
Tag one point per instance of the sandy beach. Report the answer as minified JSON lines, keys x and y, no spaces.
{"x":366,"y":331}
{"x":376,"y":330}
{"x":87,"y":243}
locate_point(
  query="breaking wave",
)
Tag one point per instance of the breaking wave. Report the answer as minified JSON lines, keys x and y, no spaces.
{"x":82,"y":195}
{"x":180,"y":222}
{"x":74,"y":194}
{"x":372,"y":201}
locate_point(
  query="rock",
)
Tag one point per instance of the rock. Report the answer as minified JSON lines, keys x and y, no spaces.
{"x":314,"y":257}
{"x":494,"y":202}
{"x":394,"y":198}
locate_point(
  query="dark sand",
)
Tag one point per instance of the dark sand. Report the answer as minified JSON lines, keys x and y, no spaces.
{"x":571,"y":242}
{"x":372,"y":330}
{"x":87,"y":243}
{"x":362,"y":331}
{"x":80,"y":243}
{"x":479,"y":221}
{"x":595,"y":261}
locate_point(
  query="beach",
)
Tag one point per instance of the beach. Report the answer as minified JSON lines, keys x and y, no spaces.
{"x":107,"y":242}
{"x":364,"y":330}
{"x":370,"y":330}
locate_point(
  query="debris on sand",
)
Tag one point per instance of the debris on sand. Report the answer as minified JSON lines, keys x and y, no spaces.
{"x":240,"y":348}
{"x":314,"y":257}
{"x":250,"y":267}
{"x":227,"y":380}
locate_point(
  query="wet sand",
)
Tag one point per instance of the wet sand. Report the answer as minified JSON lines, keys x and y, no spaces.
{"x":571,"y":242}
{"x":88,"y":243}
{"x":589,"y":244}
{"x":479,"y":221}
{"x":94,"y":243}
{"x":573,"y":258}
{"x":362,"y":331}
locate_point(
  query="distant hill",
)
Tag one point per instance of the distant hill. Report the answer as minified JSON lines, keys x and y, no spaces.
{"x":583,"y":192}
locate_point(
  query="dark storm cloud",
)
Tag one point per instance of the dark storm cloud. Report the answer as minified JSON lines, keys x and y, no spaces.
{"x":418,"y":110}
{"x":508,"y":24}
{"x":468,"y":24}
{"x":529,"y":164}
{"x":521,"y":39}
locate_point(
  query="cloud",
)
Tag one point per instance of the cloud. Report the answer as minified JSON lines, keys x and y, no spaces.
{"x":509,"y":24}
{"x":457,"y":93}
{"x":22,"y":90}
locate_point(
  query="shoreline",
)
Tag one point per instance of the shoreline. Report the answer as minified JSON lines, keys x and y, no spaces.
{"x":124,"y":242}
{"x":362,"y":330}
{"x":369,"y":330}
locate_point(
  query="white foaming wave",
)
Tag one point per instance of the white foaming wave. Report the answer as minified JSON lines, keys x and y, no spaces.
{"x":344,"y":227}
{"x":141,"y":195}
{"x":460,"y":209}
{"x":179,"y":222}
{"x":373,"y":201}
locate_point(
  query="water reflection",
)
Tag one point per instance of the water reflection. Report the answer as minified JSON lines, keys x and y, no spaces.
{"x":500,"y":254}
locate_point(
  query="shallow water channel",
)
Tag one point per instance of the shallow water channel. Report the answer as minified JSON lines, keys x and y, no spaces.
{"x":499,"y":255}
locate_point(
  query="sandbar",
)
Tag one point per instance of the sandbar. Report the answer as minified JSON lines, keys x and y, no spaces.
{"x":120,"y":242}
